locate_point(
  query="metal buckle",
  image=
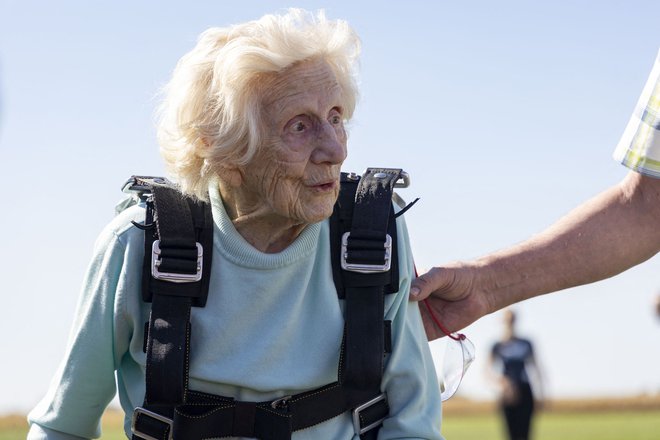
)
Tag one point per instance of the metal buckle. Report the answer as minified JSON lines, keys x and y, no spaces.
{"x":406,"y":180}
{"x":403,"y":181}
{"x":280,"y":403}
{"x":140,"y":184}
{"x":153,"y":415}
{"x":366,"y":268}
{"x":356,"y":415}
{"x":173,"y":277}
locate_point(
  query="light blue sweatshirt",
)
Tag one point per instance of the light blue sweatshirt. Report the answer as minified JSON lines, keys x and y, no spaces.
{"x":272,"y":327}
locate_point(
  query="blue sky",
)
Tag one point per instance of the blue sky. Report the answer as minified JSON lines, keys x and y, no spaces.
{"x":505,"y":114}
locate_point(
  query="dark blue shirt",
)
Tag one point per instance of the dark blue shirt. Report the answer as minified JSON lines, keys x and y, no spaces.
{"x":513,"y":354}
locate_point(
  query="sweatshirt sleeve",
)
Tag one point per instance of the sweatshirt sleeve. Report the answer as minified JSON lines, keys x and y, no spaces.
{"x":84,"y":383}
{"x":410,"y":378}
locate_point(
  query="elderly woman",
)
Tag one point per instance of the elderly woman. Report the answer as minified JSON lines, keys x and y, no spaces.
{"x":252,"y":123}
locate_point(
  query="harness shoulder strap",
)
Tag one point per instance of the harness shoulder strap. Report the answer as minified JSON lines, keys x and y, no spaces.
{"x":176,"y":273}
{"x":341,"y":223}
{"x":369,"y":270}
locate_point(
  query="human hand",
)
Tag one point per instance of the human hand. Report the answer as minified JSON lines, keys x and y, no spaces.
{"x":455,"y":296}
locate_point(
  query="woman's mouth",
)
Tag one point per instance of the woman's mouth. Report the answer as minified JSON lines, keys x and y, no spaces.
{"x":325,"y":187}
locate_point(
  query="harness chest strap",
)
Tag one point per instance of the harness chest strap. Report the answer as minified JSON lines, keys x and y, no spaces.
{"x":367,"y":272}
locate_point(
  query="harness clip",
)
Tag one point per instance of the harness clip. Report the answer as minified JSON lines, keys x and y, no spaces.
{"x":406,"y":180}
{"x":357,"y":423}
{"x":174,"y":277}
{"x":146,"y":413}
{"x":366,"y":268}
{"x":280,"y":403}
{"x":143,"y":184}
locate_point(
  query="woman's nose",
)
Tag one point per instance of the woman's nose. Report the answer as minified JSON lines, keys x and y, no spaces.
{"x":331,"y":145}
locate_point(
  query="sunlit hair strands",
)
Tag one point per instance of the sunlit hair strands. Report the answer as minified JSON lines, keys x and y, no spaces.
{"x":210,"y":113}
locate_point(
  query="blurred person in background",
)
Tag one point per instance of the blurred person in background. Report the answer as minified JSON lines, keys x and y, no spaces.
{"x":511,"y":366}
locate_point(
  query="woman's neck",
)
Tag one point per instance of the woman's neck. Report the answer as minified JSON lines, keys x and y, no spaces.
{"x":265,"y":234}
{"x":264,"y":230}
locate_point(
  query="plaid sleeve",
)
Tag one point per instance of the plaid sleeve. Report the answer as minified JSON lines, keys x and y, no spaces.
{"x":639,"y":147}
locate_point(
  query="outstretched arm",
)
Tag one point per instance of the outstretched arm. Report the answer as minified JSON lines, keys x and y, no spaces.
{"x":617,"y":229}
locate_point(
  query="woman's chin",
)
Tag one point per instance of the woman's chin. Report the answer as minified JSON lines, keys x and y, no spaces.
{"x":317,"y":213}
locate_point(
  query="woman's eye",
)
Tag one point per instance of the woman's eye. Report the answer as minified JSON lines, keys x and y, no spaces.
{"x":335,"y":117}
{"x":298,"y":127}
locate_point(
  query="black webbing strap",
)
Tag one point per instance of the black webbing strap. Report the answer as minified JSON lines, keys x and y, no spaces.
{"x":167,"y":346}
{"x":177,"y":255}
{"x":366,"y":246}
{"x":263,"y":420}
{"x":174,"y":252}
{"x":209,"y":416}
{"x":341,"y":222}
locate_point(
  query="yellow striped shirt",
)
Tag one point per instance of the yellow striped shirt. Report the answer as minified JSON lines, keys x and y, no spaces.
{"x":639,"y":147}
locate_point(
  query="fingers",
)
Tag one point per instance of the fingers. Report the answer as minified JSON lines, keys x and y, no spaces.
{"x":425,"y":284}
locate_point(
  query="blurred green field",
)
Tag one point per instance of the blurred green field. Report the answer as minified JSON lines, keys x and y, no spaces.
{"x":605,"y":425}
{"x":642,"y":425}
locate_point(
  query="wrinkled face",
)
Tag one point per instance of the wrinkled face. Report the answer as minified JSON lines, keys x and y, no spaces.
{"x":296,"y":172}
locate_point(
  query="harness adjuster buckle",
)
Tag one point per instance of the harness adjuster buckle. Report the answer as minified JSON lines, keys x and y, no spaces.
{"x":280,"y":403}
{"x":146,"y":413}
{"x":357,"y":423}
{"x":403,"y":181}
{"x":143,"y":184}
{"x":366,"y":268}
{"x":174,"y":277}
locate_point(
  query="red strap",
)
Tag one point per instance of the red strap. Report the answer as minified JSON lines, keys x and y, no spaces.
{"x":455,"y":337}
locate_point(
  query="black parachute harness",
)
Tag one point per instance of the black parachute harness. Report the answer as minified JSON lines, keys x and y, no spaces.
{"x":176,"y":272}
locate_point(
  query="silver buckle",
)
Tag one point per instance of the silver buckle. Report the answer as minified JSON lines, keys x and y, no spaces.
{"x":356,"y":415}
{"x":403,"y":181}
{"x":280,"y":403}
{"x":142,"y":184}
{"x":366,"y":268}
{"x":406,"y":180}
{"x":171,"y":276}
{"x":153,"y":415}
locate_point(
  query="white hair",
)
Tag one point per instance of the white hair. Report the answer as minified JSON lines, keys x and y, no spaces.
{"x":211,"y":112}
